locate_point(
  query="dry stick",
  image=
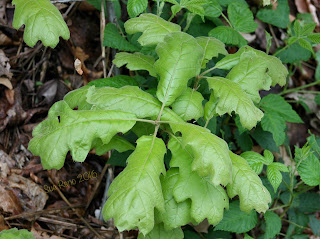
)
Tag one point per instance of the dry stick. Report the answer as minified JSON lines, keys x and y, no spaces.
{"x":102,"y":27}
{"x":274,"y":36}
{"x":97,"y":185}
{"x":75,"y":211}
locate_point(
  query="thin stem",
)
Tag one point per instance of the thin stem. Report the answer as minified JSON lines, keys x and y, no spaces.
{"x":279,"y":207}
{"x":206,"y":72}
{"x":227,"y":20}
{"x":284,"y":48}
{"x":299,"y":88}
{"x":293,"y":223}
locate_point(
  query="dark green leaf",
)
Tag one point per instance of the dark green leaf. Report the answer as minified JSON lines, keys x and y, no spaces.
{"x":315,"y":225}
{"x":294,"y":53}
{"x":273,"y":224}
{"x":135,"y":7}
{"x":241,"y":17}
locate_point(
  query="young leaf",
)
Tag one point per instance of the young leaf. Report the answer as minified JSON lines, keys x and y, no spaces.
{"x":277,"y":105}
{"x":250,"y":74}
{"x":237,"y":221}
{"x":113,"y":39}
{"x":308,"y":28}
{"x":14,"y":233}
{"x":179,"y":60}
{"x":153,"y":28}
{"x":212,"y":48}
{"x":189,"y":105}
{"x":158,"y":232}
{"x":254,"y":160}
{"x":42,"y":20}
{"x":233,"y":98}
{"x":135,"y":61}
{"x":247,"y":184}
{"x":207,"y":201}
{"x":176,"y":214}
{"x":71,"y":130}
{"x":273,"y":224}
{"x":135,"y":7}
{"x":314,"y":37}
{"x":211,"y":154}
{"x":278,"y":17}
{"x":228,"y":36}
{"x":309,"y":170}
{"x":305,"y":44}
{"x":274,"y":175}
{"x":136,"y":191}
{"x":130,"y":99}
{"x":241,"y":17}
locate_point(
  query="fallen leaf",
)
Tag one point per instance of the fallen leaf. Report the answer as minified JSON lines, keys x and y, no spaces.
{"x":77,"y":66}
{"x":9,"y":202}
{"x":4,"y":65}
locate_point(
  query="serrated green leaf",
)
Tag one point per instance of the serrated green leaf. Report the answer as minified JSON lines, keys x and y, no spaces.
{"x":212,"y":9}
{"x":273,"y":225}
{"x":250,"y":74}
{"x":71,"y":130}
{"x":309,"y":202}
{"x":278,"y":17}
{"x":116,"y":81}
{"x":241,"y":17}
{"x":118,"y":143}
{"x":294,"y":53}
{"x":278,"y":105}
{"x":243,"y":141}
{"x":275,"y":124}
{"x":237,"y":221}
{"x":276,"y":70}
{"x":176,"y":214}
{"x":309,"y":170}
{"x":317,"y":73}
{"x":315,"y":225}
{"x":268,"y":157}
{"x":297,"y":28}
{"x":135,"y":7}
{"x":194,"y":6}
{"x":112,"y":38}
{"x":211,"y":154}
{"x":14,"y":233}
{"x":179,"y":60}
{"x":308,"y":28}
{"x":254,"y":160}
{"x":305,"y":44}
{"x":189,"y":105}
{"x":314,"y":37}
{"x":314,"y":142}
{"x":153,"y":28}
{"x":135,"y":61}
{"x":158,"y":232}
{"x":207,"y":200}
{"x":212,"y":48}
{"x":233,"y":98}
{"x":247,"y":184}
{"x":269,"y":41}
{"x":228,"y":36}
{"x":136,"y":191}
{"x":264,"y":139}
{"x":274,"y":175}
{"x":130,"y":99}
{"x":42,"y":21}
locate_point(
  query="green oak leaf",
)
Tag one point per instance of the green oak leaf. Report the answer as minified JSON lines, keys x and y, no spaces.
{"x":118,"y":143}
{"x":273,"y":224}
{"x":233,"y":98}
{"x":176,"y":214}
{"x":250,"y":74}
{"x":116,"y":81}
{"x":135,"y":61}
{"x":211,"y":157}
{"x":158,"y":232}
{"x":207,"y":200}
{"x":276,"y":70}
{"x":14,"y":233}
{"x":247,"y":184}
{"x":212,"y":48}
{"x":235,"y":220}
{"x":72,"y":130}
{"x":153,"y":28}
{"x":278,"y":17}
{"x":179,"y":60}
{"x":274,"y":175}
{"x":42,"y":21}
{"x":136,"y":191}
{"x":189,"y":105}
{"x":77,"y":99}
{"x":130,"y":99}
{"x":135,"y":7}
{"x":228,"y":36}
{"x":112,"y":38}
{"x":241,"y":17}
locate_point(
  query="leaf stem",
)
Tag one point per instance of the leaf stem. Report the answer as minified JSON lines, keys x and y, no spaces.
{"x":207,"y":71}
{"x":299,"y":88}
{"x":227,"y":20}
